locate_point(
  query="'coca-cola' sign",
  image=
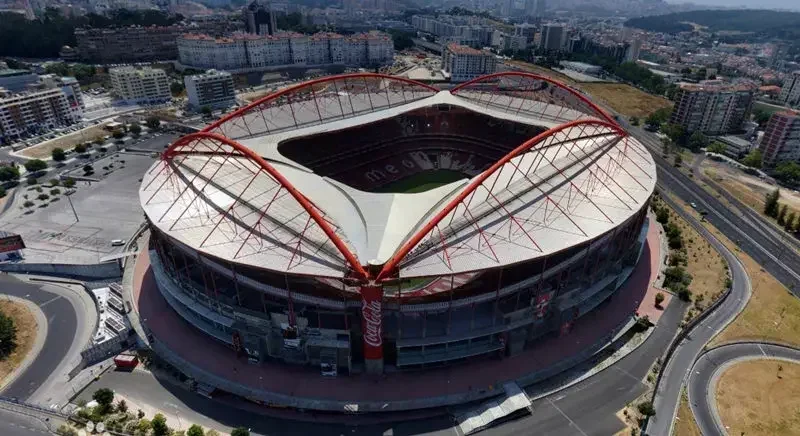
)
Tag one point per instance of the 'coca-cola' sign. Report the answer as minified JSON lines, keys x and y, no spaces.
{"x":372,"y":319}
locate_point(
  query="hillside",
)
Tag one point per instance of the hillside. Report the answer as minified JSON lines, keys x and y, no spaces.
{"x":784,"y":25}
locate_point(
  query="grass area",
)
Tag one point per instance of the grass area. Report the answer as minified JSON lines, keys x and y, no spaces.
{"x":26,"y":336}
{"x":768,"y":108}
{"x":45,"y":149}
{"x":760,"y":398}
{"x":424,"y":181}
{"x":626,"y":99}
{"x":685,"y":425}
{"x":542,"y":71}
{"x":772,"y":314}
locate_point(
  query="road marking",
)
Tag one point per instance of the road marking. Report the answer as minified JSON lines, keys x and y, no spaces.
{"x":762,"y":350}
{"x":571,"y":422}
{"x":50,"y":301}
{"x":626,"y":373}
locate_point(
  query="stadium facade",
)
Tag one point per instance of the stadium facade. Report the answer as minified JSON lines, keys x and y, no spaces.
{"x":288,"y":229}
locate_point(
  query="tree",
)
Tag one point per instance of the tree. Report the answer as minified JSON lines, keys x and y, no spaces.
{"x":99,"y":140}
{"x":153,"y":122}
{"x":8,"y":335}
{"x":118,"y":134}
{"x":58,"y":155}
{"x":212,"y":432}
{"x":206,"y":111}
{"x":659,"y":299}
{"x":159,"y":425}
{"x":195,"y":430}
{"x":647,"y":408}
{"x":143,"y":427}
{"x":634,"y":121}
{"x":716,"y":147}
{"x":122,"y":406}
{"x":69,"y":182}
{"x":666,"y":146}
{"x":240,"y":431}
{"x":788,"y":173}
{"x":135,"y":129}
{"x":790,"y":225}
{"x":678,"y":160}
{"x":9,"y":173}
{"x":662,"y":215}
{"x":771,"y":203}
{"x":697,"y":141}
{"x":675,"y":132}
{"x":176,"y":88}
{"x":761,"y":117}
{"x":35,"y":165}
{"x":782,"y":215}
{"x":753,"y":159}
{"x":88,"y":169}
{"x":104,"y":398}
{"x":80,"y":149}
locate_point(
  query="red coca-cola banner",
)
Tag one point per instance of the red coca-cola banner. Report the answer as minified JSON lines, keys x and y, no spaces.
{"x":372,"y":319}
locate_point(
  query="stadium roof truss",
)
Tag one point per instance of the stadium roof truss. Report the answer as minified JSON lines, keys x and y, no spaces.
{"x":567,"y":185}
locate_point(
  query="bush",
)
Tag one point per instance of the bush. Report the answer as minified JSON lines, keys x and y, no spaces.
{"x":43,"y":197}
{"x":28,"y":204}
{"x":88,"y":169}
{"x":647,"y":408}
{"x":685,"y":294}
{"x":195,"y":430}
{"x":55,"y":191}
{"x":53,"y":182}
{"x":104,"y":398}
{"x":8,"y":173}
{"x":159,"y":424}
{"x":662,"y":215}
{"x":8,"y":335}
{"x":122,"y":406}
{"x":69,"y":182}
{"x":35,"y":165}
{"x":65,"y":430}
{"x":2,"y":192}
{"x":80,"y":149}
{"x":240,"y":431}
{"x":58,"y":155}
{"x":659,"y":299}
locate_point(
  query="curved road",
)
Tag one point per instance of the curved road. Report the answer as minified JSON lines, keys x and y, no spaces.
{"x":62,"y":325}
{"x":678,"y":367}
{"x":702,"y":382}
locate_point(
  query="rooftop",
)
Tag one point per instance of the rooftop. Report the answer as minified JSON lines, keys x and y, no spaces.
{"x":11,"y":73}
{"x":464,"y":50}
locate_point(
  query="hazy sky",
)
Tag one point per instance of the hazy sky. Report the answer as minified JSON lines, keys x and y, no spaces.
{"x":762,"y":4}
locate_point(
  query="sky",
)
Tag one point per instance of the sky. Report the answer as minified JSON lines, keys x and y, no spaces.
{"x":761,"y":4}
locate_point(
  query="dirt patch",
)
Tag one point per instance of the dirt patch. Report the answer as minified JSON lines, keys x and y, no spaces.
{"x":66,"y":142}
{"x":760,"y":398}
{"x":685,"y":425}
{"x":26,"y":336}
{"x":626,"y":99}
{"x":748,"y":189}
{"x":542,"y":71}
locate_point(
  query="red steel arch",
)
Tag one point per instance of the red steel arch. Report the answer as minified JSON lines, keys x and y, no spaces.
{"x":530,"y":144}
{"x":176,"y":148}
{"x":603,"y":114}
{"x":240,"y":113}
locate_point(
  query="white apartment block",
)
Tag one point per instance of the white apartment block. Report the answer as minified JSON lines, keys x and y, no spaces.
{"x":466,"y":63}
{"x":140,"y":85}
{"x":248,"y":52}
{"x":71,"y":89}
{"x":213,"y":89}
{"x":790,"y":92}
{"x":33,"y":112}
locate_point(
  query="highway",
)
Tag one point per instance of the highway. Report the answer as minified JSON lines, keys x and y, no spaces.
{"x":707,"y":369}
{"x":765,"y":247}
{"x":62,"y":324}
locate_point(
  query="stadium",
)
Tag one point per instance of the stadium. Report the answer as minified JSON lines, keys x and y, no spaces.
{"x":369,"y":223}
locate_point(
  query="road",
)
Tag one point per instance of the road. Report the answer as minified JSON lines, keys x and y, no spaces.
{"x":16,"y":424}
{"x":702,"y":382}
{"x":766,"y":248}
{"x":62,"y":325}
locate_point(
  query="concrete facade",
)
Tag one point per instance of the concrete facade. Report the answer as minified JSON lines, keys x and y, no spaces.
{"x":145,"y":85}
{"x":213,"y":89}
{"x":781,"y":140}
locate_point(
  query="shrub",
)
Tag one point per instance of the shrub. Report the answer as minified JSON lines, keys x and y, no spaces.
{"x":647,"y":408}
{"x":195,"y":430}
{"x":28,"y":204}
{"x":35,"y":165}
{"x":159,"y":424}
{"x":43,"y":197}
{"x":68,"y":183}
{"x":122,"y":406}
{"x":685,"y":294}
{"x":8,"y":335}
{"x":104,"y":398}
{"x":240,"y":431}
{"x":659,"y":299}
{"x":662,"y":215}
{"x":58,"y":155}
{"x":31,"y":181}
{"x":65,"y":430}
{"x":80,"y":149}
{"x":53,"y":182}
{"x":55,"y":191}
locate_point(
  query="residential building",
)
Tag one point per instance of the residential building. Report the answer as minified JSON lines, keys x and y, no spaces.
{"x":781,"y":140}
{"x":634,"y":50}
{"x":553,"y":37}
{"x":213,"y":89}
{"x":790,"y":92}
{"x":140,"y":85}
{"x":471,"y":31}
{"x":260,"y":19}
{"x":713,"y":109}
{"x":71,"y":89}
{"x":464,"y":63}
{"x":17,"y":80}
{"x":248,"y":52}
{"x":527,"y":30}
{"x":33,"y":112}
{"x":512,"y":42}
{"x":735,"y":147}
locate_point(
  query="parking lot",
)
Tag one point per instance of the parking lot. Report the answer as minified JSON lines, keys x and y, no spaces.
{"x":106,"y":210}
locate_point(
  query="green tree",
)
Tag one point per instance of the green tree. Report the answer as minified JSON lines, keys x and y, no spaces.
{"x":104,"y":398}
{"x":662,"y":215}
{"x":195,"y":430}
{"x":118,"y":134}
{"x":35,"y":165}
{"x":675,"y":132}
{"x":159,"y":424}
{"x":753,"y":159}
{"x":761,"y":117}
{"x":771,"y":203}
{"x":88,"y":169}
{"x":176,"y":88}
{"x":790,"y":224}
{"x":206,"y":111}
{"x":8,"y":336}
{"x":697,"y":141}
{"x":634,"y":121}
{"x":240,"y":431}
{"x":788,"y":172}
{"x":678,"y":160}
{"x":122,"y":406}
{"x":69,"y":182}
{"x":58,"y":155}
{"x":153,"y":122}
{"x":80,"y":149}
{"x":659,"y":299}
{"x":782,"y":215}
{"x":717,"y":147}
{"x":212,"y":432}
{"x":135,"y":129}
{"x":8,"y":173}
{"x":647,"y":408}
{"x":143,"y":427}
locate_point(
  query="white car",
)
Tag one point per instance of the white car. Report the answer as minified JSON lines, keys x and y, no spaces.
{"x":117,"y":242}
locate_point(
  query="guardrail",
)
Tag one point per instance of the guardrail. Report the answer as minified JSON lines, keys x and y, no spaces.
{"x":14,"y":404}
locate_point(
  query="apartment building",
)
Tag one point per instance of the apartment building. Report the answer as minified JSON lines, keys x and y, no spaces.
{"x":465,"y":63}
{"x":712,"y":109}
{"x":554,"y":37}
{"x":33,"y":112}
{"x":790,"y":91}
{"x":781,"y":140}
{"x":140,"y":85}
{"x":213,"y":89}
{"x":249,"y":52}
{"x":71,"y":89}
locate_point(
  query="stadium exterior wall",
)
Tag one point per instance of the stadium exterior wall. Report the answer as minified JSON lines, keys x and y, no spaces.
{"x":297,"y":320}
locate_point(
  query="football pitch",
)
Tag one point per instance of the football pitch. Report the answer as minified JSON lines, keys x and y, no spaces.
{"x":424,"y":181}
